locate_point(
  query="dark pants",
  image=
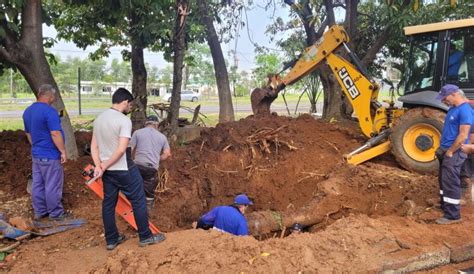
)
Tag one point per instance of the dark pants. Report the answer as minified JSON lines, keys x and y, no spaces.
{"x":149,"y":175}
{"x":450,"y":182}
{"x":130,"y":184}
{"x":47,"y":187}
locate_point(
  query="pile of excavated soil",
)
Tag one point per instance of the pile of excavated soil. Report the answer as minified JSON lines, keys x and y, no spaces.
{"x":284,"y":164}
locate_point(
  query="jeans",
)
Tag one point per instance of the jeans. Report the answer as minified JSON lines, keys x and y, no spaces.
{"x":47,"y":187}
{"x":130,"y":184}
{"x":149,"y":175}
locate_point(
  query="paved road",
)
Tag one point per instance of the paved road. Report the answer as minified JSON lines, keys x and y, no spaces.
{"x":240,"y":108}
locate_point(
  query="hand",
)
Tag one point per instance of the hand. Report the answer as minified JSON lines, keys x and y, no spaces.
{"x":98,"y":171}
{"x":448,"y":154}
{"x":104,"y":165}
{"x":63,"y":157}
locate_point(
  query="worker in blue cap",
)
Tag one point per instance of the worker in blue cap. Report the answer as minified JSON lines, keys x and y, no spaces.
{"x":451,"y":157}
{"x":229,"y":218}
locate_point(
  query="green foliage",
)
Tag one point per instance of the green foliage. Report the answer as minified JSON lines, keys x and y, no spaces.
{"x":199,"y":62}
{"x":266,"y":64}
{"x":107,"y":23}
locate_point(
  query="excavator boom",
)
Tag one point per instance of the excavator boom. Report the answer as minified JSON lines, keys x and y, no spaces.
{"x":360,"y":91}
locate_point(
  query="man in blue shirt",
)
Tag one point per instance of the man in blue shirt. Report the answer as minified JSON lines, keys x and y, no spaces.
{"x":454,"y":62}
{"x":44,"y":132}
{"x":228,"y":219}
{"x":455,"y":133}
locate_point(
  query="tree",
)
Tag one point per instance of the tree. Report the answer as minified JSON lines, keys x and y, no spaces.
{"x":21,"y":47}
{"x":138,"y":23}
{"x":226,"y":110}
{"x":179,"y":50}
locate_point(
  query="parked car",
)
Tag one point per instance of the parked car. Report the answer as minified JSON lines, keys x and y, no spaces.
{"x":186,"y":95}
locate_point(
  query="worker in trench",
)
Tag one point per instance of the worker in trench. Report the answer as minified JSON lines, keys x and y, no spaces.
{"x":149,"y":147}
{"x":451,"y":157}
{"x":229,"y":218}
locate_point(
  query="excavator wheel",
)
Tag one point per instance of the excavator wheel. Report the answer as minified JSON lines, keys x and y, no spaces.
{"x":415,"y":137}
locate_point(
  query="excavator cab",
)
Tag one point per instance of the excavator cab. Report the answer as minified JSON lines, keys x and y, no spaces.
{"x":440,"y":53}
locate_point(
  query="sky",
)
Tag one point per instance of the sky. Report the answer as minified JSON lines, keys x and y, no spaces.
{"x":258,"y":19}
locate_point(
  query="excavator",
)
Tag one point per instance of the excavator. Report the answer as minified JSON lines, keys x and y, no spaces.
{"x":412,"y":131}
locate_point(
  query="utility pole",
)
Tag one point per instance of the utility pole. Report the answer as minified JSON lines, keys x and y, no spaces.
{"x":79,"y":89}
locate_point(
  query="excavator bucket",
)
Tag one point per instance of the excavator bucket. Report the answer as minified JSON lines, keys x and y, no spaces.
{"x":261,"y":99}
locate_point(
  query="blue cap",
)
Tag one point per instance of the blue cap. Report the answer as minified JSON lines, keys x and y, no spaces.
{"x":242,"y":199}
{"x":446,"y":90}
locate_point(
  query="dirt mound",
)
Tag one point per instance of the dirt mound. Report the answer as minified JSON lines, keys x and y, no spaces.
{"x":282,"y":164}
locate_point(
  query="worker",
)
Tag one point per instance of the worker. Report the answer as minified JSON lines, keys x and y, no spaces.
{"x":454,"y":62}
{"x":228,"y":219}
{"x":44,"y":133}
{"x":110,"y":137}
{"x":455,"y":132}
{"x":149,"y":147}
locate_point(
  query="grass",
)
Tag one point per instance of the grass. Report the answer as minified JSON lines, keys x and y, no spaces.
{"x":85,"y":121}
{"x":87,"y":102}
{"x":78,"y":122}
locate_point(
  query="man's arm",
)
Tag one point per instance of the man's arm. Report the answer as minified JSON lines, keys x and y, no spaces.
{"x":95,"y":157}
{"x":460,"y":139}
{"x":59,"y":143}
{"x":118,"y":153}
{"x":165,"y":154}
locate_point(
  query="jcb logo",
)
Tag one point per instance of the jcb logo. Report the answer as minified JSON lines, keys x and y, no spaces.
{"x":348,"y":83}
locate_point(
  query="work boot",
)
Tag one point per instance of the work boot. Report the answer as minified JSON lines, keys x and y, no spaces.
{"x":66,"y":214}
{"x":446,"y":221}
{"x":159,"y":237}
{"x":120,"y":240}
{"x":40,"y":217}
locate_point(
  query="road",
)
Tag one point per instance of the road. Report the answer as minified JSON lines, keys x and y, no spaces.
{"x":239,"y":108}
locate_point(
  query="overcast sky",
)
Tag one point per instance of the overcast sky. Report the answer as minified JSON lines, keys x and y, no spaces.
{"x":258,"y":19}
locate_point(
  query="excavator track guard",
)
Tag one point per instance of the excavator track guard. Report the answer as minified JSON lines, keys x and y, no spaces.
{"x":415,"y":137}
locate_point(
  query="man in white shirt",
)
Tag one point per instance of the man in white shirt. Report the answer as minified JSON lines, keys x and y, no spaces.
{"x":110,"y":138}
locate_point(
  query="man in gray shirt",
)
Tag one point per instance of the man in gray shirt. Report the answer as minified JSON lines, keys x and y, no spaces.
{"x":149,"y":147}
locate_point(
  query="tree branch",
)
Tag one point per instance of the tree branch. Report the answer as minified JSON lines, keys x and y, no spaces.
{"x":330,"y":12}
{"x":5,"y":55}
{"x":376,"y":46}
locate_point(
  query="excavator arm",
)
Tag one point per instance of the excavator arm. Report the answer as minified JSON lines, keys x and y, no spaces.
{"x":359,"y":90}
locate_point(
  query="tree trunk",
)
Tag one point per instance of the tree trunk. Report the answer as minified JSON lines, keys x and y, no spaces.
{"x":139,"y":78}
{"x":333,"y":100}
{"x":226,"y":110}
{"x":179,"y":47}
{"x":334,"y":105}
{"x":27,"y":54}
{"x":316,"y":211}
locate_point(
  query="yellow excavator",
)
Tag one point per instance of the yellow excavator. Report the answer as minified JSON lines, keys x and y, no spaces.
{"x":411,"y":131}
